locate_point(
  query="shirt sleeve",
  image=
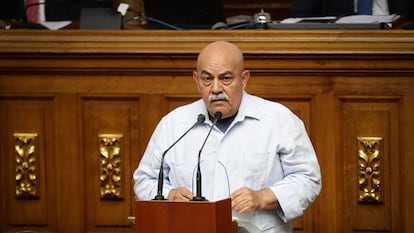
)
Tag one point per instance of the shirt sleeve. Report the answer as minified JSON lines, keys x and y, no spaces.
{"x":146,"y":175}
{"x":301,"y":181}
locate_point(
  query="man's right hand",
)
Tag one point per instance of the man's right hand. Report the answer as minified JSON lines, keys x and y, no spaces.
{"x":180,"y":194}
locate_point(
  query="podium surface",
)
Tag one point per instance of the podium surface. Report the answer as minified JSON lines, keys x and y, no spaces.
{"x":184,"y":217}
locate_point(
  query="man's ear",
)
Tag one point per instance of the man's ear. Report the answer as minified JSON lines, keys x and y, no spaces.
{"x":245,"y":77}
{"x":196,"y":80}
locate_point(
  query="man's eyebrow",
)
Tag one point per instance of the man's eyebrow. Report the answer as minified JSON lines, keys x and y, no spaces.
{"x":222,"y":74}
{"x":205,"y":72}
{"x":226,"y":73}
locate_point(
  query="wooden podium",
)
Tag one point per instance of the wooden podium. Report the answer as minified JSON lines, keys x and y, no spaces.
{"x":184,"y":217}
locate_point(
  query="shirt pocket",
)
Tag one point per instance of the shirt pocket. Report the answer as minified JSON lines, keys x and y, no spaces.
{"x":257,"y":167}
{"x":181,"y":174}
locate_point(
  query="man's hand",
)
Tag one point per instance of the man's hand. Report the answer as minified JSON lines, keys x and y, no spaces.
{"x":180,"y":194}
{"x":245,"y":200}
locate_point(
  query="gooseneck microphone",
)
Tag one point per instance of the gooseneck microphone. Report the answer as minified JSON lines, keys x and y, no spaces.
{"x":200,"y":119}
{"x":199,"y":197}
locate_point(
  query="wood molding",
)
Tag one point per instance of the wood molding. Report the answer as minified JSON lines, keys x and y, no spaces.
{"x":161,"y":42}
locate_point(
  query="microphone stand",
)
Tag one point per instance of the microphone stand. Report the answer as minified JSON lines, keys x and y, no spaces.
{"x":159,"y":195}
{"x":199,"y":197}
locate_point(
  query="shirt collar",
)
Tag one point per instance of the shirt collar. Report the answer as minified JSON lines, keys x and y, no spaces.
{"x":247,"y":108}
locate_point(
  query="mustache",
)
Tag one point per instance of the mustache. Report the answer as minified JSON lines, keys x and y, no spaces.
{"x":219,"y":96}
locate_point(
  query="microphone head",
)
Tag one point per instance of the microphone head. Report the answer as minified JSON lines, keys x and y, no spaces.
{"x":201,"y":118}
{"x":218,"y":115}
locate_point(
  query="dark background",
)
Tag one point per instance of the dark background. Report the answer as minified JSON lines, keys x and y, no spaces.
{"x":55,"y":10}
{"x":70,"y":9}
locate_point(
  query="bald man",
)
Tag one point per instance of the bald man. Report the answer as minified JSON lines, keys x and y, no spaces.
{"x":258,"y":153}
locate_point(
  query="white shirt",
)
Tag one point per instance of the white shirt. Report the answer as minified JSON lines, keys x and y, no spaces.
{"x":266,"y":146}
{"x":379,"y":7}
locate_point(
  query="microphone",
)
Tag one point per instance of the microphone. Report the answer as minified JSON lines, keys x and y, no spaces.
{"x":199,"y":197}
{"x":200,"y":119}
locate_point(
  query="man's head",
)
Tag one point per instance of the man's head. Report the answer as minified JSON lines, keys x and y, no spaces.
{"x":221,"y":78}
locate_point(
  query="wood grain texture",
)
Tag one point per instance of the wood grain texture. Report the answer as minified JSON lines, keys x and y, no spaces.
{"x":69,"y":86}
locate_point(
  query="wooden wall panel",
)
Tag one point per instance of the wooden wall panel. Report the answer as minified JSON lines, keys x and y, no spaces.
{"x":114,"y":119}
{"x":173,"y":102}
{"x":35,"y":206}
{"x":371,"y":118}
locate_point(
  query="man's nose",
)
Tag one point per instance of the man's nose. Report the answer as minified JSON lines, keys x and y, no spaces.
{"x":217,"y":86}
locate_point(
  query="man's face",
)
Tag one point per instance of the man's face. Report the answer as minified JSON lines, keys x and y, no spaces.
{"x":220,"y":80}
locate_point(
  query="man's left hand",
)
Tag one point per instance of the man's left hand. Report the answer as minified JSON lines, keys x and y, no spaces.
{"x":246,"y":200}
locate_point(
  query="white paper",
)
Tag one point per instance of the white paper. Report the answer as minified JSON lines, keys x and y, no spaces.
{"x":123,"y":8}
{"x":246,"y":226}
{"x":368,"y":19}
{"x":304,"y":19}
{"x":55,"y":25}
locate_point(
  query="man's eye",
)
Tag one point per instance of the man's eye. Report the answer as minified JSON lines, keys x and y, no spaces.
{"x":207,"y":79}
{"x":227,"y":79}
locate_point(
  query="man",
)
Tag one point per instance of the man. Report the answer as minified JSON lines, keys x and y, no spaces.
{"x":258,"y":154}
